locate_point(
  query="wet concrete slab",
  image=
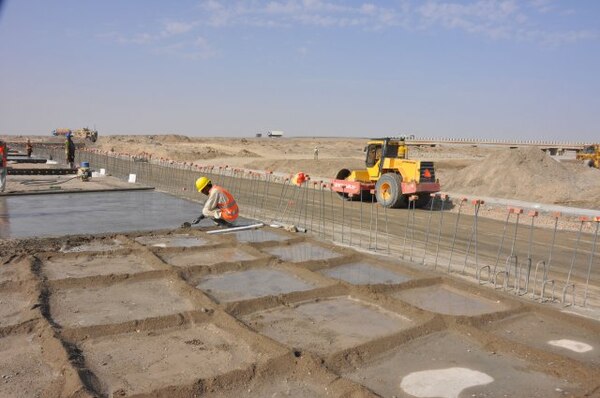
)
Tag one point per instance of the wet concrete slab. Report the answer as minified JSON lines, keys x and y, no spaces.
{"x":551,"y":334}
{"x":361,"y":273}
{"x":128,"y":364}
{"x":23,"y":370}
{"x":302,"y":252}
{"x":446,"y":300}
{"x":91,"y":213}
{"x":14,"y":308}
{"x":259,"y":235}
{"x":178,"y":240}
{"x":101,"y":245}
{"x":445,"y":364}
{"x":244,"y":285}
{"x":206,"y":257}
{"x":63,"y":267}
{"x":327,"y":326}
{"x":120,"y":302}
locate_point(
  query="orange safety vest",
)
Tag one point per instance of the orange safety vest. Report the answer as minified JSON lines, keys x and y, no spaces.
{"x":229,"y":209}
{"x":3,"y":154}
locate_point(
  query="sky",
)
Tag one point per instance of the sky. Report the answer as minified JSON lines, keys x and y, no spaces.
{"x":512,"y":69}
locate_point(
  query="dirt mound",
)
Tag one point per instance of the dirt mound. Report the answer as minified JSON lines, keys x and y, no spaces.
{"x":247,"y":154}
{"x":527,"y":174}
{"x":316,"y":168}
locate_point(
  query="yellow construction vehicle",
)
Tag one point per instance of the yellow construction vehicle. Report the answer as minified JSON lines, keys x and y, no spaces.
{"x":590,"y":155}
{"x":389,"y":173}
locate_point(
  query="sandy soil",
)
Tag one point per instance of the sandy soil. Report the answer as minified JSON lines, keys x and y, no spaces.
{"x":97,"y":323}
{"x":526,"y":173}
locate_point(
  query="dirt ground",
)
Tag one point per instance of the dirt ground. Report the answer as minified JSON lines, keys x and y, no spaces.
{"x":525,"y":173}
{"x":269,"y":313}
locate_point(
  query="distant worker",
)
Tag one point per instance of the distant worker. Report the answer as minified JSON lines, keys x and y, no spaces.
{"x":70,"y":151}
{"x":316,"y":153}
{"x":220,"y":205}
{"x":29,"y":148}
{"x":3,"y":165}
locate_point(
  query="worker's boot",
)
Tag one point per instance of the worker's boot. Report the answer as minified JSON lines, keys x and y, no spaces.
{"x":221,"y":223}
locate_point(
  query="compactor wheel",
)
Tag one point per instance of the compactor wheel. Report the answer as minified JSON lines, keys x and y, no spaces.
{"x":388,"y":191}
{"x":343,"y":174}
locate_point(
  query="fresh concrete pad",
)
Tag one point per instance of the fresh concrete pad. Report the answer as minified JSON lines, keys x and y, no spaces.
{"x":243,"y":285}
{"x":302,"y":252}
{"x":329,"y":325}
{"x":446,"y":300}
{"x":23,"y":370}
{"x":120,"y":302}
{"x":551,"y":334}
{"x":206,"y":257}
{"x":14,"y":308}
{"x":93,"y":213}
{"x":446,"y":364}
{"x":140,"y":363}
{"x":259,"y":235}
{"x":178,"y":240}
{"x":80,"y":266}
{"x":362,"y":273}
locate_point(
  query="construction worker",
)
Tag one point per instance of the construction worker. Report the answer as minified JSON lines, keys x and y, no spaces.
{"x":29,"y":148}
{"x":70,"y":151}
{"x":3,"y":165}
{"x":220,"y":205}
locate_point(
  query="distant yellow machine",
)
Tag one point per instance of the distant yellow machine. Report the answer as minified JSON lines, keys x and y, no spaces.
{"x":388,"y":171}
{"x":590,"y":155}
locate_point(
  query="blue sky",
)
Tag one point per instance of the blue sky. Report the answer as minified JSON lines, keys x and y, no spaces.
{"x":482,"y":68}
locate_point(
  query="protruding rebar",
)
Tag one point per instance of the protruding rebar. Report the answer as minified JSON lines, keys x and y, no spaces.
{"x":592,"y":254}
{"x":462,"y":201}
{"x":444,"y":198}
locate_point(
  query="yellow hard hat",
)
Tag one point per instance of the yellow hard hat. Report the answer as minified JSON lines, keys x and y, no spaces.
{"x":201,"y":183}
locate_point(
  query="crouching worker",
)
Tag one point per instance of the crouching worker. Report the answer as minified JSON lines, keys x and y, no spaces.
{"x":220,"y":205}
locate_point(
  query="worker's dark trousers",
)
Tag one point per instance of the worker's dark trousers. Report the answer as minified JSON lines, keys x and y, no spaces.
{"x":221,"y":223}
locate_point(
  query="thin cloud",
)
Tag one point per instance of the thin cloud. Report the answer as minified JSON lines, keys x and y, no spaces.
{"x":515,"y":20}
{"x":172,"y":28}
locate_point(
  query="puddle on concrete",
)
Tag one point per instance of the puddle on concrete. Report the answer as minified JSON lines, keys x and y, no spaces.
{"x":57,"y":267}
{"x":445,"y":300}
{"x":95,"y":246}
{"x":14,"y":309}
{"x":446,"y":383}
{"x":117,"y":303}
{"x":235,"y":286}
{"x":91,"y":213}
{"x":472,"y":367}
{"x":575,"y":346}
{"x":171,"y":241}
{"x":551,"y":334}
{"x":364,"y":274}
{"x":302,"y":252}
{"x":259,"y":235}
{"x":329,"y":325}
{"x":130,"y":362}
{"x":24,"y":371}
